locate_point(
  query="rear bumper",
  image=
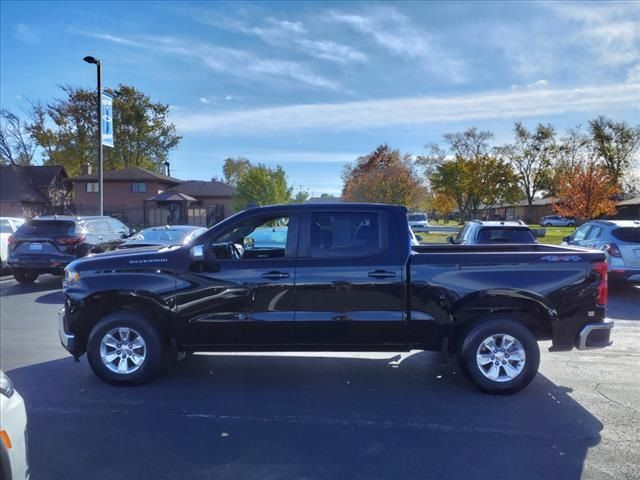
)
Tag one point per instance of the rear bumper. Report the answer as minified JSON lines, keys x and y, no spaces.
{"x":43,"y":264}
{"x":631,"y":275}
{"x":595,"y":335}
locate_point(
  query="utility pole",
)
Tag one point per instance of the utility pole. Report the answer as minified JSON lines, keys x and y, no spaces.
{"x":96,"y":62}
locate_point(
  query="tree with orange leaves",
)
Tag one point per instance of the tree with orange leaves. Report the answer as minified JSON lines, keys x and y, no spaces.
{"x":588,"y":193}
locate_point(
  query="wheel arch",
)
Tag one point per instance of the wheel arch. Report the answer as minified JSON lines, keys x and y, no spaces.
{"x":527,"y":308}
{"x":98,"y":305}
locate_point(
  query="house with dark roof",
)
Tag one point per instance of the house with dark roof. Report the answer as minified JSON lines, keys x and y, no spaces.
{"x":141,"y":197}
{"x":34,"y":190}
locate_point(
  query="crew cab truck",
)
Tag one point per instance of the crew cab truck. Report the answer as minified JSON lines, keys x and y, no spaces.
{"x":344,"y":277}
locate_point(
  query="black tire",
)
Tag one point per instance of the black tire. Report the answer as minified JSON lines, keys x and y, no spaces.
{"x":498,"y":326}
{"x":25,"y":276}
{"x":154,"y":360}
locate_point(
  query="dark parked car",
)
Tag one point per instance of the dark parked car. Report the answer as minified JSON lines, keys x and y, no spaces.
{"x":167,"y":235}
{"x":619,"y":239}
{"x":48,"y":244}
{"x":479,"y":232}
{"x":346,"y":278}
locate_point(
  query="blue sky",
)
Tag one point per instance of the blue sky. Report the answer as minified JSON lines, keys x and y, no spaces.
{"x":313,"y":85}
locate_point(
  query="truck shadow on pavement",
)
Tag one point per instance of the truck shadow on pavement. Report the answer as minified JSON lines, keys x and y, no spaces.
{"x":268,"y":416}
{"x":43,"y":284}
{"x":624,"y":301}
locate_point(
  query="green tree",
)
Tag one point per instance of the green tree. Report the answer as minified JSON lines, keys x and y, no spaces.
{"x":615,"y":144}
{"x":234,"y":168}
{"x":261,"y":185}
{"x":472,"y":183}
{"x":384,"y":176}
{"x":300,"y":197}
{"x":66,"y":130}
{"x":531,"y":156}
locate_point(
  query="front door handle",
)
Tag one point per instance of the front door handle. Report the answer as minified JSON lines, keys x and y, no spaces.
{"x":275,"y":275}
{"x":381,"y":274}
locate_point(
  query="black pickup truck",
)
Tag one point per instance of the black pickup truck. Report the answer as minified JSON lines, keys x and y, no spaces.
{"x":341,"y":277}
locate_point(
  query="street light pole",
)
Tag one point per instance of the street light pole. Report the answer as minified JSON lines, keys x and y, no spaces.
{"x":96,"y":62}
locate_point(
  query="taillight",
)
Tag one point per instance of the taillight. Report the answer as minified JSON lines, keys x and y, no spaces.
{"x":70,"y":240}
{"x":603,"y":289}
{"x":613,"y":250}
{"x":11,"y":240}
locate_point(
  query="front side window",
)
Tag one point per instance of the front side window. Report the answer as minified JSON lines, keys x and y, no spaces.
{"x":139,"y":187}
{"x":345,"y":234}
{"x":253,"y":238}
{"x":594,"y":233}
{"x":92,"y":187}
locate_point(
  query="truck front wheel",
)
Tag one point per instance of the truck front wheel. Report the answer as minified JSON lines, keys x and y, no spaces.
{"x":500,"y":356}
{"x":124,"y":348}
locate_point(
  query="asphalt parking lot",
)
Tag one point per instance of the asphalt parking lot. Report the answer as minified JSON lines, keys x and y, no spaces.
{"x":322,"y":416}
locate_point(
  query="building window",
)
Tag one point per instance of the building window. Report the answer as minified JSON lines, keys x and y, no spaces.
{"x":139,"y":187}
{"x":92,"y":187}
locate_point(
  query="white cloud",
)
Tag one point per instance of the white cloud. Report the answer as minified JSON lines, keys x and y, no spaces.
{"x":286,"y":34}
{"x":204,"y":100}
{"x":509,"y":104}
{"x":611,"y":30}
{"x":395,"y":32}
{"x":633,"y":75}
{"x":240,"y":63}
{"x":26,"y":33}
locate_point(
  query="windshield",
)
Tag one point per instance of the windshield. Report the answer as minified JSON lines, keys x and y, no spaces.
{"x":163,"y":235}
{"x":36,"y":228}
{"x":505,"y":235}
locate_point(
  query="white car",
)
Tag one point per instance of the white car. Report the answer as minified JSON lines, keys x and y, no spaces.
{"x":418,"y":220}
{"x":8,"y":226}
{"x":13,"y":432}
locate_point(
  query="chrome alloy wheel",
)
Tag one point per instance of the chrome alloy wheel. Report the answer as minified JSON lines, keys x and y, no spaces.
{"x":500,"y":357}
{"x":123,"y":350}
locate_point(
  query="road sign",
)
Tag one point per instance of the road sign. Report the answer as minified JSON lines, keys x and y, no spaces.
{"x":106,"y":123}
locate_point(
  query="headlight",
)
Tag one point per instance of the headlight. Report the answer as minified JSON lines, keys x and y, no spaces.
{"x":6,"y":385}
{"x":70,"y":277}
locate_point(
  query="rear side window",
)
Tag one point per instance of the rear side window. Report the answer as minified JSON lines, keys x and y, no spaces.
{"x":345,"y":234}
{"x":98,"y":226}
{"x":505,"y":235}
{"x":38,"y":228}
{"x":627,"y":234}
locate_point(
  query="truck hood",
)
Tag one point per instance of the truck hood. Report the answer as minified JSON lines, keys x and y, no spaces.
{"x":127,"y":258}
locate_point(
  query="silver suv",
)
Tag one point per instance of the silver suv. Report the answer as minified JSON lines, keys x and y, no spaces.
{"x":557,"y":221}
{"x":619,"y":239}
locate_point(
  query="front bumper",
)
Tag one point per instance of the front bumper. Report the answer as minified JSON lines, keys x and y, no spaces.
{"x":595,"y":335}
{"x":13,"y":422}
{"x":67,"y":340}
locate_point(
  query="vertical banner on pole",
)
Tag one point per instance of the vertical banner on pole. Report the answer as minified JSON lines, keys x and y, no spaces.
{"x":106,"y":122}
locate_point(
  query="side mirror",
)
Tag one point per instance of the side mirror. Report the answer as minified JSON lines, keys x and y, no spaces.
{"x":197,"y":253}
{"x":566,"y":238}
{"x":539,"y":232}
{"x":419,"y":238}
{"x":450,"y":240}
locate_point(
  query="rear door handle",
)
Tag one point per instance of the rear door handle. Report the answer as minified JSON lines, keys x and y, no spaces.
{"x":275,"y":275}
{"x":381,"y":274}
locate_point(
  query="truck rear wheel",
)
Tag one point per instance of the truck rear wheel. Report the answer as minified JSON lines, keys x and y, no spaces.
{"x":124,"y":348}
{"x":500,"y":356}
{"x":25,"y":276}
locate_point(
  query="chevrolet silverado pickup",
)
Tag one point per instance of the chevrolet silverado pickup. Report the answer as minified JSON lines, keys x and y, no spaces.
{"x":333,"y":277}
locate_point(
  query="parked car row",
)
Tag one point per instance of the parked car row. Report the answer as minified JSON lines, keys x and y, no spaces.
{"x":47,"y":244}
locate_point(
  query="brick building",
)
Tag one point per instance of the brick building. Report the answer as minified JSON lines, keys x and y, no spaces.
{"x":34,"y":190}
